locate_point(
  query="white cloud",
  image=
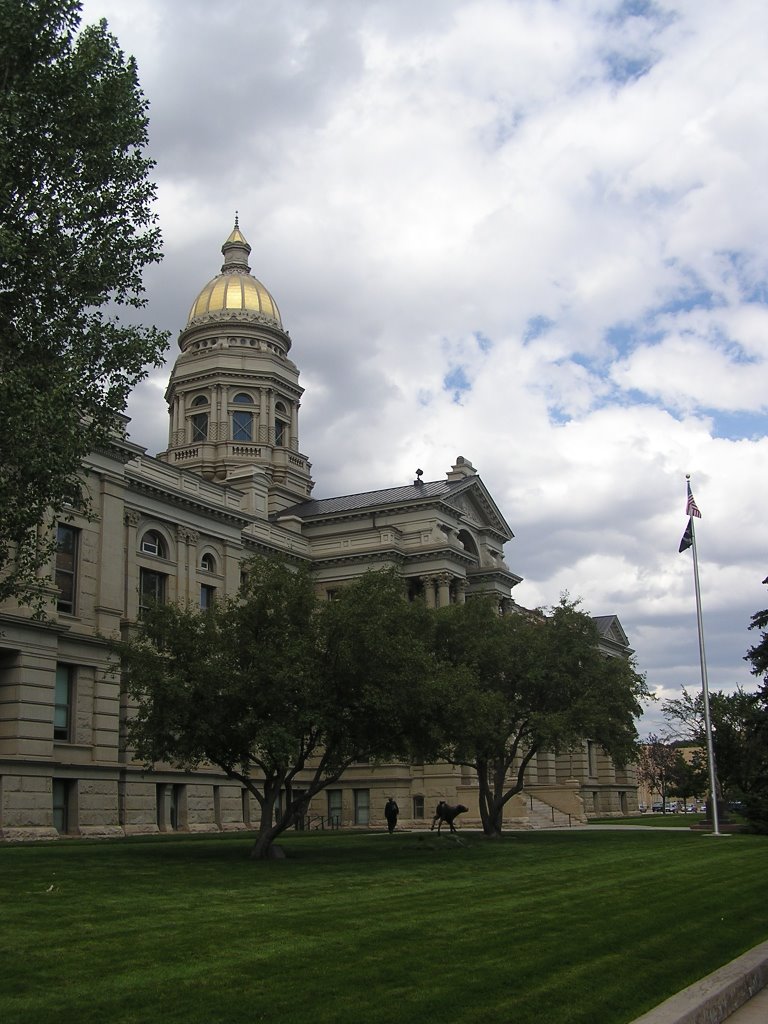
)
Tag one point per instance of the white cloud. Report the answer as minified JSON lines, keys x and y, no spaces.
{"x":583,"y":188}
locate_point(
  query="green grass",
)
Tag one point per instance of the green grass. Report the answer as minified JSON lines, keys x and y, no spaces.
{"x":555,"y":927}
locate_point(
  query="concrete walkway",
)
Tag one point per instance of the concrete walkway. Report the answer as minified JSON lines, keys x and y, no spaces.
{"x":735,"y":993}
{"x":753,"y":1012}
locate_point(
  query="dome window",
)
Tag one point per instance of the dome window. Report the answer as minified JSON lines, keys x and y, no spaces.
{"x":242,"y":399}
{"x":199,"y":426}
{"x":200,"y":400}
{"x":208,"y":563}
{"x":242,"y":426}
{"x":281,"y":425}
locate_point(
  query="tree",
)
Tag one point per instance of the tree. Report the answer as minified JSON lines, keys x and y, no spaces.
{"x":525,"y":683}
{"x":729,"y":714}
{"x":655,"y":766}
{"x":757,"y":655}
{"x":756,"y":795}
{"x":689,"y":777}
{"x":278,"y":690}
{"x":76,"y":231}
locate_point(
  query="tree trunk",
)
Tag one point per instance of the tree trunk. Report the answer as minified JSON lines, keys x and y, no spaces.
{"x":269,"y":830}
{"x":263,"y":848}
{"x":490,"y":807}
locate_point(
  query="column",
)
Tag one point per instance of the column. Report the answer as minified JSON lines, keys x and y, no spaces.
{"x":110,"y":564}
{"x":294,"y":426}
{"x":214,"y":417}
{"x":429,"y":590}
{"x":222,"y":419}
{"x":187,"y":563}
{"x":263,"y":417}
{"x":443,"y":590}
{"x":271,"y":416}
{"x":131,"y":518}
{"x":182,"y":425}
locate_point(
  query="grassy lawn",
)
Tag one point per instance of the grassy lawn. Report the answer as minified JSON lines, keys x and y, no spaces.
{"x":537,"y":928}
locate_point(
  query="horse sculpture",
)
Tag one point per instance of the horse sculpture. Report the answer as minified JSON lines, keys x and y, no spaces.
{"x":447,"y":813}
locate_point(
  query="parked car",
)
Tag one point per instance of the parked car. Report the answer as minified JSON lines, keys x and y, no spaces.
{"x":658,"y":808}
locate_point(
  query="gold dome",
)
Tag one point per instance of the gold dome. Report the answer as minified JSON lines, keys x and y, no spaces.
{"x":235,"y":289}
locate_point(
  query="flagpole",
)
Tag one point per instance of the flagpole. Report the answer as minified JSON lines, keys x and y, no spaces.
{"x":704,"y":681}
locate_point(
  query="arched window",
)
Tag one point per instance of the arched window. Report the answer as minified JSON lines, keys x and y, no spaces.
{"x":468,"y":542}
{"x":242,"y":399}
{"x":199,"y":420}
{"x":153,"y":544}
{"x":208,"y":563}
{"x":281,"y":425}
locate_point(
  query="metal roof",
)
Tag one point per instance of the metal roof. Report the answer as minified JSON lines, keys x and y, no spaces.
{"x":371,"y":499}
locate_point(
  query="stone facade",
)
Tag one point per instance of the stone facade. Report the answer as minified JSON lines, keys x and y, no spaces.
{"x":178,"y":527}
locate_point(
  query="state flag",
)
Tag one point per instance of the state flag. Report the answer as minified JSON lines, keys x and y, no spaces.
{"x":687,"y":540}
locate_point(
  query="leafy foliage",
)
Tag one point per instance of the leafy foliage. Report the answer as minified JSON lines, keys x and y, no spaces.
{"x":76,"y":232}
{"x":756,"y":796}
{"x":655,"y":765}
{"x":740,"y":741}
{"x":280,"y":691}
{"x":529,"y":682}
{"x":690,"y":776}
{"x":728,"y":714}
{"x":758,"y":654}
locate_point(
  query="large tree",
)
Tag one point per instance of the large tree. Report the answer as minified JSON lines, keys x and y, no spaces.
{"x":730,"y":714}
{"x":76,"y":231}
{"x":656,"y":762}
{"x":757,"y":727}
{"x":757,"y":655}
{"x":280,"y":691}
{"x":526,"y":683}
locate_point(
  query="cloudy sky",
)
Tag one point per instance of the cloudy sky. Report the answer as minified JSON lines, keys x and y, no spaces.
{"x":528,"y":232}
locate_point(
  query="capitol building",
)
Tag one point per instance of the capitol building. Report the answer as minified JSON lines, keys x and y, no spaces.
{"x":179,"y":526}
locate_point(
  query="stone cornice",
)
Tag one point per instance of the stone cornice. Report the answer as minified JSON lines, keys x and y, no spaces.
{"x":180,"y":500}
{"x":487,"y":575}
{"x":236,"y":378}
{"x":385,"y":554}
{"x":255,"y":546}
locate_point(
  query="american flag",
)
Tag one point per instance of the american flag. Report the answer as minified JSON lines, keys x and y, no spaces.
{"x":691,"y":508}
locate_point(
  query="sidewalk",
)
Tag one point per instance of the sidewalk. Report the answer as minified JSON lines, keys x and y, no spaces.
{"x":736,"y":993}
{"x":753,"y":1012}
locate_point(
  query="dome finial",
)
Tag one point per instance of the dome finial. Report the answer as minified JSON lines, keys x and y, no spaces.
{"x":236,"y":249}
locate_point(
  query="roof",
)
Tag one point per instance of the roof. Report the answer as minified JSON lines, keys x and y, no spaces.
{"x":461,"y":490}
{"x":611,"y":631}
{"x":405,"y":495}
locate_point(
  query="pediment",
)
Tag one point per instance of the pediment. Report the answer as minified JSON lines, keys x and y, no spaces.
{"x":477,"y":508}
{"x":610,"y":629}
